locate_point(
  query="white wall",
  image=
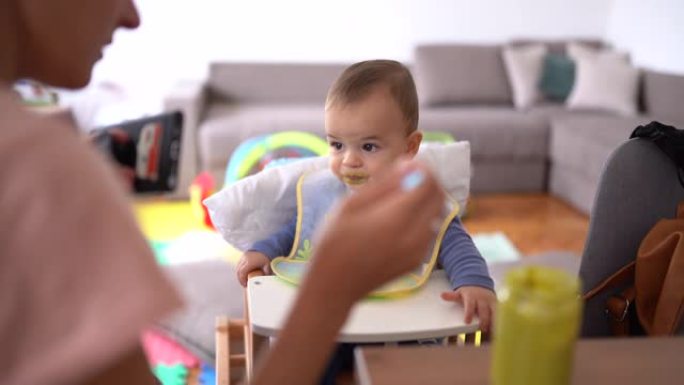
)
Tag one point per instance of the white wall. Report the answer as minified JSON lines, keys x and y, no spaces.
{"x":501,"y":20}
{"x":651,"y":31}
{"x":178,"y":38}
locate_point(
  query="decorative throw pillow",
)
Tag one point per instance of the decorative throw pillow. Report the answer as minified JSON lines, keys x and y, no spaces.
{"x":558,"y":77}
{"x":524,"y":68}
{"x":610,"y":85}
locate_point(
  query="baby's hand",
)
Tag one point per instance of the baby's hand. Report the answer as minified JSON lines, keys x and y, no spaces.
{"x":476,"y":300}
{"x":250,"y":261}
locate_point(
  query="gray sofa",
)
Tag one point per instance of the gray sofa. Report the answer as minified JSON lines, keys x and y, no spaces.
{"x":463,"y":90}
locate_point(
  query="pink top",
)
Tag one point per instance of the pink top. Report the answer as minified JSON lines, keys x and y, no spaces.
{"x":78,"y":282}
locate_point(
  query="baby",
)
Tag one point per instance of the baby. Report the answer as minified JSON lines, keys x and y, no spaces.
{"x":371,"y":120}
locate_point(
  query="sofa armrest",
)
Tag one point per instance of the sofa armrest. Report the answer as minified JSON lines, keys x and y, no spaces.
{"x":189,"y":97}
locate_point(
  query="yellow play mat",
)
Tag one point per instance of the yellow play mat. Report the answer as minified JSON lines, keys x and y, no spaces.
{"x":178,"y":235}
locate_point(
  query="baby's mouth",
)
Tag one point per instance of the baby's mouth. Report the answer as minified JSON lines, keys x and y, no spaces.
{"x":355,"y":179}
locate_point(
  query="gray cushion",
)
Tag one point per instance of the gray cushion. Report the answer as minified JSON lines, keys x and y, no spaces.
{"x":494,"y":132}
{"x":271,"y":82}
{"x":461,"y":74}
{"x":210,"y":289}
{"x":226,"y":126}
{"x":663,"y":97}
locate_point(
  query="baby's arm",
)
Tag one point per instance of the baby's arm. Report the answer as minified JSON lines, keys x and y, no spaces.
{"x":468,"y":274}
{"x":461,"y":260}
{"x":262,"y":252}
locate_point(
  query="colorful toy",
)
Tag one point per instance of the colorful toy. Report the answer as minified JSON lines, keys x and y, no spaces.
{"x":438,"y":136}
{"x":171,"y":362}
{"x":200,"y":189}
{"x":162,"y":350}
{"x":258,"y":153}
{"x":208,"y":375}
{"x":171,"y":374}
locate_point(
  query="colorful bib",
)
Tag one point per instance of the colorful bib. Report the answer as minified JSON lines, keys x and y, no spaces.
{"x":317,"y":192}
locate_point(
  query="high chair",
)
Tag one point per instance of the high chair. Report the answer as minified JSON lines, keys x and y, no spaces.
{"x":266,"y":308}
{"x":424,"y":314}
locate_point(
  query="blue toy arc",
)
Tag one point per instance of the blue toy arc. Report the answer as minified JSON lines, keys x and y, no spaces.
{"x":256,"y":154}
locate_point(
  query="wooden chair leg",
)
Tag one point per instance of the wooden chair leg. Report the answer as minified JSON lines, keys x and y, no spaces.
{"x":252,"y":341}
{"x":222,"y":351}
{"x":227,"y":330}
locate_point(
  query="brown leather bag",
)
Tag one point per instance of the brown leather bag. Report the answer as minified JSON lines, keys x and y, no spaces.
{"x":654,"y":283}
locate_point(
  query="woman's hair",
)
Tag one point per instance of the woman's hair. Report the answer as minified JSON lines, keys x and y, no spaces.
{"x":360,"y":79}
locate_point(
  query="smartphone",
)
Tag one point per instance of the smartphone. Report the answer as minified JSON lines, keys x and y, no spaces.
{"x":149,"y":146}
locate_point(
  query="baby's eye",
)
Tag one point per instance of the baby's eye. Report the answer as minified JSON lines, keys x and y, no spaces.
{"x":337,"y":146}
{"x":370,"y":147}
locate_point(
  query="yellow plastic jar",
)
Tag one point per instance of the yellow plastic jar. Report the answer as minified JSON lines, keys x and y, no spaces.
{"x":536,"y":326}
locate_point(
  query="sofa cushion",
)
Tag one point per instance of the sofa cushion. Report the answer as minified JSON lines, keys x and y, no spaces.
{"x":524,"y":67}
{"x":447,"y":74}
{"x":606,"y":84}
{"x":663,"y":97}
{"x":558,"y":77}
{"x":272,"y":82}
{"x":228,"y":125}
{"x":496,"y":133}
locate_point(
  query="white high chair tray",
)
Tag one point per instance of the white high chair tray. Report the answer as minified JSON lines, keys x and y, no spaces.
{"x":420,"y":315}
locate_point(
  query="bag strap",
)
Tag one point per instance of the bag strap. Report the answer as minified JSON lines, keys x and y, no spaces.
{"x":621,"y":277}
{"x":660,"y":284}
{"x":617,"y":309}
{"x":618,"y":305}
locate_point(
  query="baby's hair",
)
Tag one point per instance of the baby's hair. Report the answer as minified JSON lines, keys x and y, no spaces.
{"x":359,"y":79}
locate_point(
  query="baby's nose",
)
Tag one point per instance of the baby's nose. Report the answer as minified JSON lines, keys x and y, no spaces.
{"x":352,"y":159}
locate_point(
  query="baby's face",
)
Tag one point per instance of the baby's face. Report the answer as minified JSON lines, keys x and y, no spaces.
{"x":366,"y":137}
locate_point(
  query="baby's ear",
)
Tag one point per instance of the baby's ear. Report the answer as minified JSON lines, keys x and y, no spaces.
{"x":414,"y":139}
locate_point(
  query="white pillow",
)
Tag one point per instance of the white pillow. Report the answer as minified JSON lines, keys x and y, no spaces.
{"x":255,"y":207}
{"x":524,"y":67}
{"x":601,"y":84}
